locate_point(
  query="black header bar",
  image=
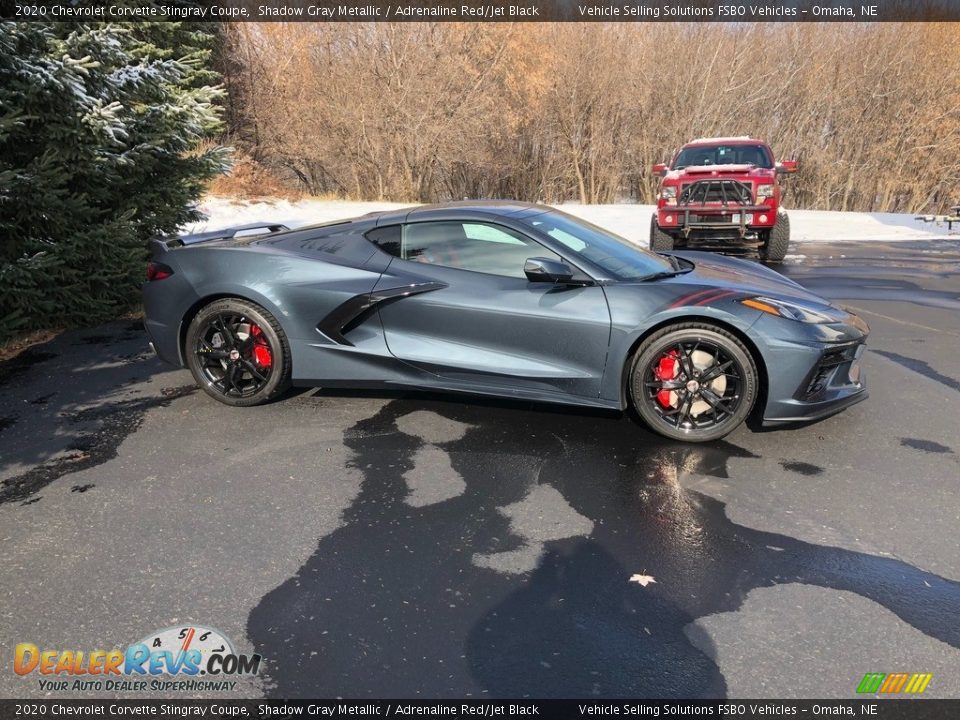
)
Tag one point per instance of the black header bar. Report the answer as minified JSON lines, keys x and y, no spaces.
{"x":724,"y":11}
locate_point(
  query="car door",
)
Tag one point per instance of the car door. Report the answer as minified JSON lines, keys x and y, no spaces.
{"x":467,"y":312}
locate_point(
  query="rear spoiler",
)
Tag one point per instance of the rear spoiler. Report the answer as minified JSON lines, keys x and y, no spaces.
{"x":162,"y":244}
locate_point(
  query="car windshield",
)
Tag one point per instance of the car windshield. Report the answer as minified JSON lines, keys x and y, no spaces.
{"x":618,"y":256}
{"x":697,"y":155}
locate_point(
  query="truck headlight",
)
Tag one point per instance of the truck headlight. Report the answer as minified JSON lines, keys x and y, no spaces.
{"x":764,"y":192}
{"x":668,"y":192}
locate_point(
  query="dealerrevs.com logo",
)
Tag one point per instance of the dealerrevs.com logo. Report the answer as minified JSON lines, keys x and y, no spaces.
{"x":171,"y":659}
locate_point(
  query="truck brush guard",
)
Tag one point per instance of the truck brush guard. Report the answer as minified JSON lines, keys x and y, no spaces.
{"x":697,"y":207}
{"x":722,"y":194}
{"x":716,"y":191}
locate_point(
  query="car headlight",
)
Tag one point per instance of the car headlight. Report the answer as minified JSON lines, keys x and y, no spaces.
{"x":764,"y":192}
{"x":787,"y":310}
{"x":668,"y":192}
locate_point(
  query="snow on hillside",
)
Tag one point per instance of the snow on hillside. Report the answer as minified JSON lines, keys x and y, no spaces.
{"x":630,"y":221}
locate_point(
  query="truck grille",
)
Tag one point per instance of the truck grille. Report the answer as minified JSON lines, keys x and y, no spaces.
{"x":694,"y":217}
{"x":716,"y":191}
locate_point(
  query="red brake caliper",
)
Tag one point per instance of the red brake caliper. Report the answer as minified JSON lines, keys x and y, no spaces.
{"x":667,"y":369}
{"x":261,"y":349}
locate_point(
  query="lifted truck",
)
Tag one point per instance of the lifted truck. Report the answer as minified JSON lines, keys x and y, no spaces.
{"x":722,"y":194}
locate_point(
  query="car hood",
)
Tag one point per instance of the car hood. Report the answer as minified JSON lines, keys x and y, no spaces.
{"x":745,"y":276}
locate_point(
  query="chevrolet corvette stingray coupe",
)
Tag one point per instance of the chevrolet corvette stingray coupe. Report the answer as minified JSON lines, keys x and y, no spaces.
{"x":502,"y":299}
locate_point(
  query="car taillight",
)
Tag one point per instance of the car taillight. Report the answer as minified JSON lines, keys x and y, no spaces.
{"x":158,"y":271}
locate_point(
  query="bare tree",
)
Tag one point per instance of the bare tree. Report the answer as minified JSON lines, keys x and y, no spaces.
{"x":551,"y":112}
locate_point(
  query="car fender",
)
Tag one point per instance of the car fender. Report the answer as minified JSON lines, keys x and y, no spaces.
{"x":208,"y":293}
{"x":624,"y":340}
{"x":268,"y":302}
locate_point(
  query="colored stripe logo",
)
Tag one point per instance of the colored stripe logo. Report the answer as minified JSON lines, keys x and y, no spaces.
{"x":892,"y":683}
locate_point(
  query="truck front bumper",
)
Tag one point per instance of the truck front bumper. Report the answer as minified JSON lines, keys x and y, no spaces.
{"x":734,"y":220}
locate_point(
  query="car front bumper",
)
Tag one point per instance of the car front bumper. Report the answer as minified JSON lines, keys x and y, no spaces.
{"x":808,"y":412}
{"x":816,"y":375}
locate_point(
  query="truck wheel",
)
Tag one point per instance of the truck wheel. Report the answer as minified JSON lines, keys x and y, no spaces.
{"x":778,"y":242}
{"x":659,"y":240}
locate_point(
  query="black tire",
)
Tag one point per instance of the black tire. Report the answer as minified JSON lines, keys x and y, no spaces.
{"x":221,"y":349}
{"x":727,"y":407}
{"x":659,"y":240}
{"x":778,"y":243}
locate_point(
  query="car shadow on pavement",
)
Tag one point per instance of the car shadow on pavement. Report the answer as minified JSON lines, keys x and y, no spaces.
{"x":490,"y":554}
{"x":69,"y":403}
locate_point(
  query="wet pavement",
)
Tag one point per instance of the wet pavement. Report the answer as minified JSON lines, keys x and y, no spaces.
{"x":375,"y":545}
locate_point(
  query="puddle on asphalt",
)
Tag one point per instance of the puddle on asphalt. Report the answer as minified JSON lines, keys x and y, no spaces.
{"x":926,"y":445}
{"x":516,"y":579}
{"x":114,"y":422}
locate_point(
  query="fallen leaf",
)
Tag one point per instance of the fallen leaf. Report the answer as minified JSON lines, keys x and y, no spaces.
{"x":642,"y":579}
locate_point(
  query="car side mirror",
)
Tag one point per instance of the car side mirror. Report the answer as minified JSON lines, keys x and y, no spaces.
{"x":540,"y":269}
{"x":785,"y":167}
{"x":660,"y":169}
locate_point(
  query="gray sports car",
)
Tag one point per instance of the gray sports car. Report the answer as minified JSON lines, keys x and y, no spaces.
{"x":506,"y":299}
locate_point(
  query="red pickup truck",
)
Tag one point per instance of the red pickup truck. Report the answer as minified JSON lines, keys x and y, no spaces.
{"x":722,"y":194}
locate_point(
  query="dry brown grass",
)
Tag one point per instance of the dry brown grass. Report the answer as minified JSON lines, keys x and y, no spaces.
{"x":541,"y":111}
{"x":12,"y":348}
{"x":249,"y":180}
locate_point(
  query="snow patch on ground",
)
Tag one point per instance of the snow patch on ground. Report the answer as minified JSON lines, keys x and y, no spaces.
{"x":225,"y":212}
{"x":826,"y":225}
{"x":630,"y":221}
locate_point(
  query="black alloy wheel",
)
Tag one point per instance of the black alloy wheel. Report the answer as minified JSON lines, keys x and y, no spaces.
{"x":693,"y":382}
{"x":237,"y":352}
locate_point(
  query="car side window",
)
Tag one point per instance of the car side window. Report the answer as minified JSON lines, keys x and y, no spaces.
{"x":386,"y":238}
{"x":468,"y":245}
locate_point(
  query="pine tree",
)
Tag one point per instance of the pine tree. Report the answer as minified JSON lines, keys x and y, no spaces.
{"x":103,"y":143}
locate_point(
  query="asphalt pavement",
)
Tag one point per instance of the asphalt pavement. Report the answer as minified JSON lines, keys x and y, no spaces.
{"x":387,"y":545}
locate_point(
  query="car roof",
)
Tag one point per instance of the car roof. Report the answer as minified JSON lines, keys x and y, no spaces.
{"x":496,"y":207}
{"x":461,"y":209}
{"x":741,"y":140}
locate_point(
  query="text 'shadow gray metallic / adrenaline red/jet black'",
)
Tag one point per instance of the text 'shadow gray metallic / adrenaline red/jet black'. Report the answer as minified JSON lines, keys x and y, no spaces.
{"x":506,"y":299}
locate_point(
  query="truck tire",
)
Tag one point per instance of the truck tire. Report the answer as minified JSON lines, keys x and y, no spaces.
{"x":659,"y":240}
{"x":779,"y":240}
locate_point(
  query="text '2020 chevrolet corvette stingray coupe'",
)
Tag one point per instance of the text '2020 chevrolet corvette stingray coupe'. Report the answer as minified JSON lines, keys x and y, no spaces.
{"x":505,"y":299}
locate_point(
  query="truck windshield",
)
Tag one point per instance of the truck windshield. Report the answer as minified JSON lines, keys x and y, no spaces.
{"x":618,"y":256}
{"x":698,"y":155}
